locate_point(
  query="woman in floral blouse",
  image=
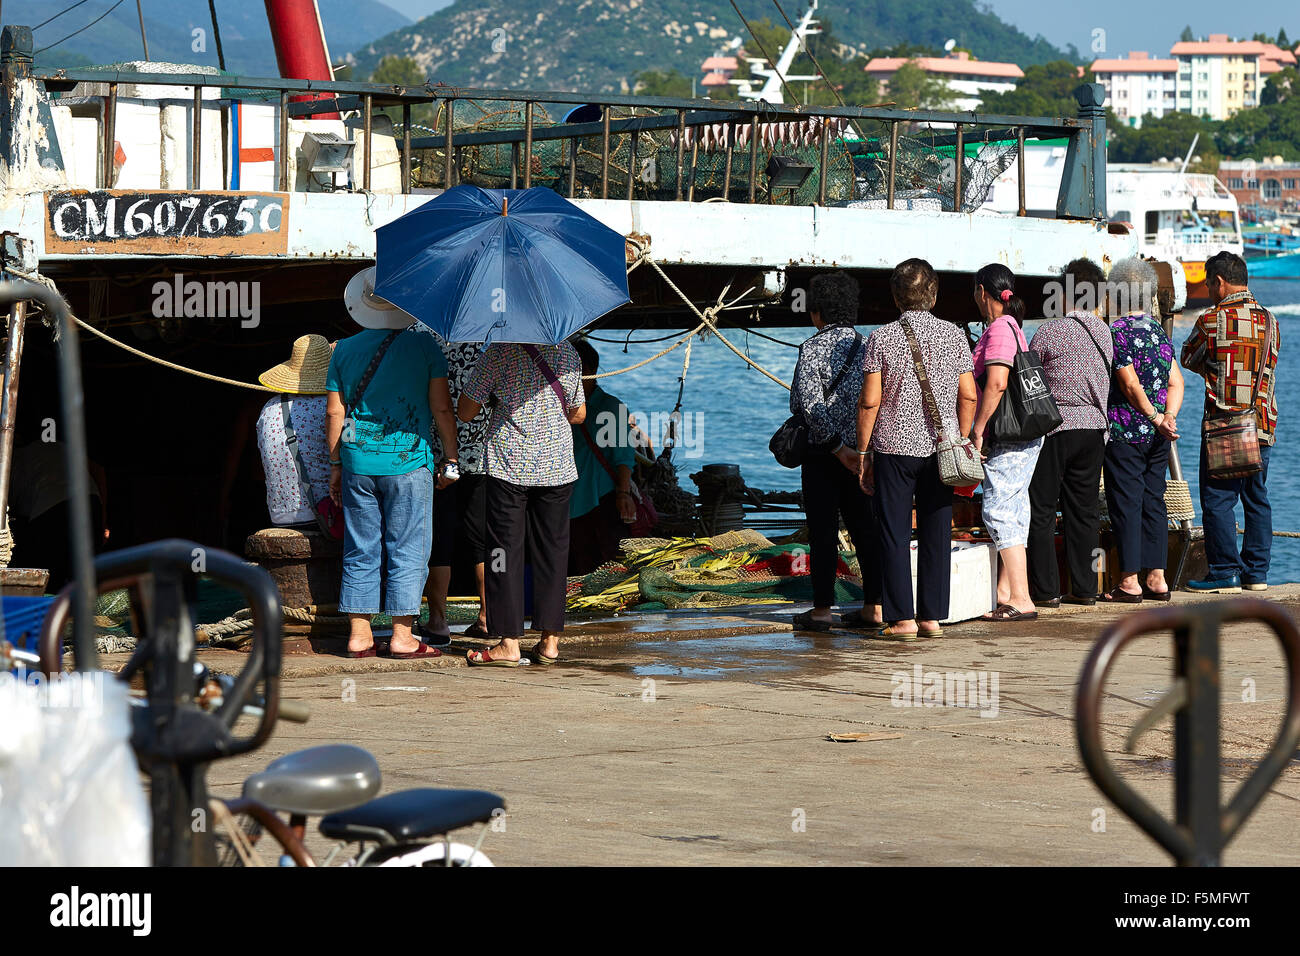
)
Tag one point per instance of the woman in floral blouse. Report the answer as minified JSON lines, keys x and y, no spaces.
{"x":1146,"y":394}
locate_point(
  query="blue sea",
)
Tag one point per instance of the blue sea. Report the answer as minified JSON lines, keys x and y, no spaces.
{"x":732,"y":409}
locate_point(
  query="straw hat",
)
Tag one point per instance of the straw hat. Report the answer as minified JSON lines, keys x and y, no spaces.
{"x":367,"y":309}
{"x":305,"y":372}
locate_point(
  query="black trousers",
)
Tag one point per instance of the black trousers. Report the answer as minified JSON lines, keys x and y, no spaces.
{"x":1067,"y":475}
{"x":899,"y":479}
{"x":1135,"y":498}
{"x":594,"y":537}
{"x":539,"y":516}
{"x":829,"y":491}
{"x":460,"y":521}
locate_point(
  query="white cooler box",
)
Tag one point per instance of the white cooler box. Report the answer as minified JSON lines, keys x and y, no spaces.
{"x":974,"y":587}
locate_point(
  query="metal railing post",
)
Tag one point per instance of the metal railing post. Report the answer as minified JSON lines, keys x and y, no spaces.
{"x":196,"y":161}
{"x":681,"y":150}
{"x":893,"y":164}
{"x":406,"y":148}
{"x":631,"y":163}
{"x":110,"y":134}
{"x":573,"y":166}
{"x":528,"y":145}
{"x":604,"y":155}
{"x":728,"y":130}
{"x":825,"y":155}
{"x":695,"y":157}
{"x":284,"y":141}
{"x":514,"y":165}
{"x":447,"y":148}
{"x":959,"y":167}
{"x":1020,"y":171}
{"x":753,"y":157}
{"x":367,"y":121}
{"x":9,"y":411}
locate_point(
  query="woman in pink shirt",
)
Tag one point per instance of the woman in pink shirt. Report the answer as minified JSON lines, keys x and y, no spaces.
{"x":1008,"y":466}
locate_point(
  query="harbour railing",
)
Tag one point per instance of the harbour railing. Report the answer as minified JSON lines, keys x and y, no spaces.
{"x":733,"y":131}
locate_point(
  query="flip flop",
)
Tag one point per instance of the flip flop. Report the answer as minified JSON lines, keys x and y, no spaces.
{"x":805,"y":622}
{"x":371,"y":651}
{"x":899,"y":635}
{"x":541,"y":658}
{"x":936,"y":632}
{"x":1118,"y":595}
{"x":433,"y":638}
{"x":480,"y":659}
{"x":424,"y":651}
{"x":1150,"y":595}
{"x":475,"y":630}
{"x":854,"y":619}
{"x":1005,"y":612}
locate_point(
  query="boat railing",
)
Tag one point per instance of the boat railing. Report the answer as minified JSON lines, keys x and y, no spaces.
{"x":1082,"y":192}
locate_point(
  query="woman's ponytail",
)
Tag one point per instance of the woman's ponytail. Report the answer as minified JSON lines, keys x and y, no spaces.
{"x":999,"y":282}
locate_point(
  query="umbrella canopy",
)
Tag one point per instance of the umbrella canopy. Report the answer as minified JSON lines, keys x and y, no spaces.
{"x":501,"y":265}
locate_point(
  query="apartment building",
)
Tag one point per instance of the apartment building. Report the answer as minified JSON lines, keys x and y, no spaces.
{"x":1217,"y":77}
{"x":1138,"y":85}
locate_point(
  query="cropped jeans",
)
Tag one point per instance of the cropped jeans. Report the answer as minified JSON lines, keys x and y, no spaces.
{"x":387,"y":536}
{"x":1219,"y":499}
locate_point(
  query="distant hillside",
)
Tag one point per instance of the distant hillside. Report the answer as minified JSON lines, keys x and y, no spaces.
{"x":601,"y":45}
{"x":245,"y":36}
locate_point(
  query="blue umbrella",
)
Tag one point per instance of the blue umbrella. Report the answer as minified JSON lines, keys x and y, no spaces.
{"x":501,"y":265}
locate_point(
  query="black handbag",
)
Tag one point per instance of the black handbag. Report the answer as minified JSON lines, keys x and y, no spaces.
{"x":1027,"y":410}
{"x":790,"y":446}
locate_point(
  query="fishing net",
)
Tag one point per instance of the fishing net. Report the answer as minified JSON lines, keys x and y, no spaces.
{"x":729,"y":570}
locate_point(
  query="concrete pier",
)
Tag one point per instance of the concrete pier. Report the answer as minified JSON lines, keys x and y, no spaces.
{"x":706,"y":744}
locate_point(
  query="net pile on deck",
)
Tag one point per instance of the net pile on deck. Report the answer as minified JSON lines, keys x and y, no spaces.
{"x":727,"y":570}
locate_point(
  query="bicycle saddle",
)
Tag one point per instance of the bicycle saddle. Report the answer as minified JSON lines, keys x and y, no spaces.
{"x":412,"y":815}
{"x":316,"y":781}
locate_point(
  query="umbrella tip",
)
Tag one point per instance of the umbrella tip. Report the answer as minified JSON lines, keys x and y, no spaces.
{"x":505,"y":205}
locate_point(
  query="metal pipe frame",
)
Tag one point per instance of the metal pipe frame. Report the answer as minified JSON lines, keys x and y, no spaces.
{"x":681,"y":153}
{"x":196,"y":161}
{"x":959,"y":168}
{"x":77,"y":463}
{"x":284,"y":142}
{"x":367,"y":122}
{"x":406,"y":148}
{"x":448,"y":145}
{"x":893,"y":164}
{"x":1020,"y":171}
{"x":110,"y":134}
{"x":9,"y":408}
{"x":528,"y":145}
{"x":753,"y":157}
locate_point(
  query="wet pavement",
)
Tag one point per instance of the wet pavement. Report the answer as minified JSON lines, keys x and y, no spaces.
{"x":700,"y":739}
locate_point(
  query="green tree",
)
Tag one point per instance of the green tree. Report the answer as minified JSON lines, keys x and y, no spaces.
{"x":1187,"y":36}
{"x":1167,"y":137}
{"x":662,"y":83}
{"x":1280,"y":86}
{"x":1282,"y":39}
{"x":404,"y":71}
{"x":913,"y":88}
{"x":1046,"y":90}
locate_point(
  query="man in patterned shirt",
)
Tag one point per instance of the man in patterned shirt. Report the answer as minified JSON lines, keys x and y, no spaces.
{"x":1234,"y":345}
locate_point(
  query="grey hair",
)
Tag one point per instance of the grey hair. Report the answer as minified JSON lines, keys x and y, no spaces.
{"x":1131,"y":287}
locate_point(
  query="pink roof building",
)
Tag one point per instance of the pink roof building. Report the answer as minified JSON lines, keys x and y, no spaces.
{"x":1138,"y":85}
{"x":723,"y":64}
{"x":716,"y":78}
{"x":966,"y":77}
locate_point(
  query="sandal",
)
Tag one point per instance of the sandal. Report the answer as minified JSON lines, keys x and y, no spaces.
{"x":1005,"y":612}
{"x":475,"y":630}
{"x":480,"y":659}
{"x":805,"y":622}
{"x":856,"y":620}
{"x":899,"y":635}
{"x":934,"y":632}
{"x":1150,"y":595}
{"x":371,"y":651}
{"x":423,"y":650}
{"x":541,"y":658}
{"x":1118,"y":595}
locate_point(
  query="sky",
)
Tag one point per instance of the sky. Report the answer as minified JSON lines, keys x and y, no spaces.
{"x":1149,"y":25}
{"x":1143,"y":24}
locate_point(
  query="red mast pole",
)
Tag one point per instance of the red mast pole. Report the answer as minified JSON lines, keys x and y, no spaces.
{"x":300,"y":50}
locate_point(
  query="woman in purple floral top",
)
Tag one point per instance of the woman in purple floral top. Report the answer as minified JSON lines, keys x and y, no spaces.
{"x":1146,"y":394}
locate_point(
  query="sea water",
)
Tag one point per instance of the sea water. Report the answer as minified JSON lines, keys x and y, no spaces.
{"x":733,"y":408}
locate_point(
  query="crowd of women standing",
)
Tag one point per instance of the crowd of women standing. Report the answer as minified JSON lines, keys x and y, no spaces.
{"x":879,"y":413}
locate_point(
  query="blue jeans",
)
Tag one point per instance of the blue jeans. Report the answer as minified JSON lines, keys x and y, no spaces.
{"x":1218,"y":499}
{"x":387,"y":535}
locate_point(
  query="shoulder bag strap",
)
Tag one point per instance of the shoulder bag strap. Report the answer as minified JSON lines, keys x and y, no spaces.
{"x":1263,"y":360}
{"x":927,"y":392}
{"x":595,"y":450}
{"x":1110,"y":368}
{"x":839,"y":377}
{"x":550,"y":376}
{"x":371,"y":369}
